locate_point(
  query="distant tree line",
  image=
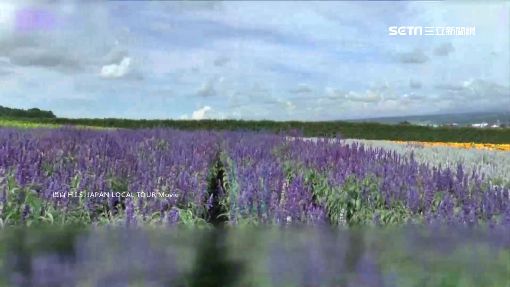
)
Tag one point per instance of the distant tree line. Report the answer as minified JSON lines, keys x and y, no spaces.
{"x":364,"y":130}
{"x":404,"y":131}
{"x":21,"y":113}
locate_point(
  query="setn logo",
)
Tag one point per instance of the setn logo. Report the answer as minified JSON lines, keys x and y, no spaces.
{"x":405,"y":30}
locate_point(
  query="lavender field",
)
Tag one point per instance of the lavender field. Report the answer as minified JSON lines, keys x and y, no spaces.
{"x":208,"y":208}
{"x":169,"y":177}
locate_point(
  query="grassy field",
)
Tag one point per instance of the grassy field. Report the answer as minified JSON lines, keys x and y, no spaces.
{"x":372,"y":131}
{"x":23,"y":124}
{"x":31,"y":124}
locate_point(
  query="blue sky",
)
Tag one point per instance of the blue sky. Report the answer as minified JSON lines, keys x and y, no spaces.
{"x":252,"y":60}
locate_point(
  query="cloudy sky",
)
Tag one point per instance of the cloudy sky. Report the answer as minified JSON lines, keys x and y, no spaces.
{"x":252,"y":60}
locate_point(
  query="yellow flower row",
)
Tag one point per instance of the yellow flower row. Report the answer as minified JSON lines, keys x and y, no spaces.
{"x":488,"y":146}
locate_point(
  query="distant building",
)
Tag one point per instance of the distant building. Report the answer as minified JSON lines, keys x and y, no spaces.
{"x":495,"y":126}
{"x":480,"y":125}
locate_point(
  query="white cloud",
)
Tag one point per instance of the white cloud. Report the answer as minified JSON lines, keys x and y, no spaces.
{"x":49,"y":36}
{"x":368,"y":96}
{"x":116,"y":70}
{"x":221,"y":61}
{"x":444,"y":49}
{"x":201,"y":113}
{"x":301,"y":89}
{"x":6,"y":15}
{"x":415,"y":84}
{"x":475,"y":95}
{"x":290,"y":105}
{"x":207,"y":89}
{"x":416,"y":56}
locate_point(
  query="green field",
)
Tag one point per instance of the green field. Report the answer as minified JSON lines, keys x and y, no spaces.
{"x":25,"y":124}
{"x":33,"y":124}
